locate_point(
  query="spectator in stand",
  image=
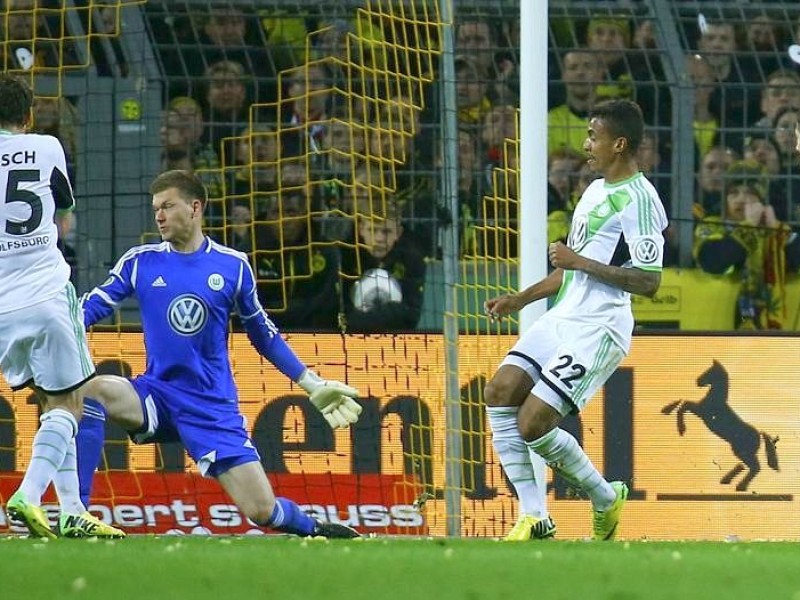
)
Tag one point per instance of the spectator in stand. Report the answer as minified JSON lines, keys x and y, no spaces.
{"x":293,"y":174}
{"x":783,"y":126}
{"x":183,"y":148}
{"x":765,"y":42}
{"x":748,"y":238}
{"x":225,"y":33}
{"x":256,"y":156}
{"x":345,"y":150}
{"x":401,"y":163}
{"x":478,"y":39}
{"x":385,"y":272}
{"x":469,"y":192}
{"x":566,"y":124}
{"x":305,"y":110}
{"x":733,"y":102}
{"x":762,"y":148}
{"x":609,"y":37}
{"x":499,"y":126}
{"x":562,"y":165}
{"x":644,"y":35}
{"x":239,"y":227}
{"x":705,"y":124}
{"x":30,"y":42}
{"x":226,"y":102}
{"x":711,"y":180}
{"x":297,"y":280}
{"x":782,"y":90}
{"x":784,"y":187}
{"x":472,"y":99}
{"x":507,"y":60}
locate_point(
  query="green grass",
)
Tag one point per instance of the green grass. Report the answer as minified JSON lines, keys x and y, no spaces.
{"x":195,"y":567}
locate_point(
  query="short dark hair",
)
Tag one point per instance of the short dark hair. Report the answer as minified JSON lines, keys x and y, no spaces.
{"x":16,"y":100}
{"x":187,"y":183}
{"x":623,"y":118}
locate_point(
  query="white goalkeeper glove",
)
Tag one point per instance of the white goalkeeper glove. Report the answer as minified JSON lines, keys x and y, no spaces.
{"x":333,"y":399}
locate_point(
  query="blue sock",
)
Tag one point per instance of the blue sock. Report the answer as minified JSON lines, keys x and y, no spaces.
{"x":89,"y":444}
{"x":288,"y":518}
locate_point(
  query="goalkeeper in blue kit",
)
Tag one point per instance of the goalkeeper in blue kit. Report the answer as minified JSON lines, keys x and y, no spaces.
{"x":187,"y":287}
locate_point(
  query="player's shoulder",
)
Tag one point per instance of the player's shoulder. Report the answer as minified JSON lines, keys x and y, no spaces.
{"x":150,"y":249}
{"x":225,"y":253}
{"x":39,"y":146}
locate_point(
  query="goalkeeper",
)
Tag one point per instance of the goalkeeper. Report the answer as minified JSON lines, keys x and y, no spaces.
{"x":187,"y":286}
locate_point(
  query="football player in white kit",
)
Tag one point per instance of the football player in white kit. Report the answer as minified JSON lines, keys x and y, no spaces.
{"x":614,"y":249}
{"x":42,"y":340}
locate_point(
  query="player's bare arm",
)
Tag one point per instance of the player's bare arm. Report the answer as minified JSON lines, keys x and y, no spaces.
{"x":633,"y":280}
{"x":504,"y":305}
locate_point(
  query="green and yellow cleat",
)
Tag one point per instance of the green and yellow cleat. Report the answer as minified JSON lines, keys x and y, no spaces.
{"x":606,"y":522}
{"x":30,"y":515}
{"x":86,"y":525}
{"x":531,"y":528}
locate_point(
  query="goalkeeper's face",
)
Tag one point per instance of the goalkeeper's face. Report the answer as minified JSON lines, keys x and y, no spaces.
{"x":178,"y":219}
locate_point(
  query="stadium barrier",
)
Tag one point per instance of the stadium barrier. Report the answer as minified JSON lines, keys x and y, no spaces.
{"x":704,"y":429}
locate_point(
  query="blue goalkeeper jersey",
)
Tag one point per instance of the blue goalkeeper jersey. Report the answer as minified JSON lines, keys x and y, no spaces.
{"x":186,"y":300}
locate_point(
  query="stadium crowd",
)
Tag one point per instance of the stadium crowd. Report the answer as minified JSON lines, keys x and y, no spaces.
{"x":284,"y":118}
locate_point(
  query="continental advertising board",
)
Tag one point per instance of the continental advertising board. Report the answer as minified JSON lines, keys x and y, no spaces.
{"x":704,"y":429}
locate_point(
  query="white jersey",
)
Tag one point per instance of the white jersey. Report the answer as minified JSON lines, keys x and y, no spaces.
{"x":607,"y":215}
{"x":33,"y":185}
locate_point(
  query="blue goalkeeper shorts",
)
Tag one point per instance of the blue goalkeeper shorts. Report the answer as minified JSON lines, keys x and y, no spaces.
{"x":212,"y":430}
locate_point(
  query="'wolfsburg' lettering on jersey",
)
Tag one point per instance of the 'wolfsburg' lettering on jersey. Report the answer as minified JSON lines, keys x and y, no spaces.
{"x":34,"y":185}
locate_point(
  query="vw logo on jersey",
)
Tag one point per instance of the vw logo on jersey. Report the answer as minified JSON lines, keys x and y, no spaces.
{"x":646,"y":251}
{"x":577,"y":233}
{"x":216,"y":282}
{"x":187,"y":314}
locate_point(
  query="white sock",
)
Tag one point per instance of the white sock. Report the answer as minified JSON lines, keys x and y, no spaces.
{"x":58,"y":428}
{"x":66,"y":483}
{"x":563,"y":453}
{"x":528,"y":479}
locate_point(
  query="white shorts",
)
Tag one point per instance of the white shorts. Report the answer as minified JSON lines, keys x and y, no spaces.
{"x":45,"y":345}
{"x":568,"y":361}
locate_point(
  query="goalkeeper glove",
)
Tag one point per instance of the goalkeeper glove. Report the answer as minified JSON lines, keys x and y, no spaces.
{"x":333,"y":399}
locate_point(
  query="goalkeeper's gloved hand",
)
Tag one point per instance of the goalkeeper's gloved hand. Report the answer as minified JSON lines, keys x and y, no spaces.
{"x":333,"y":399}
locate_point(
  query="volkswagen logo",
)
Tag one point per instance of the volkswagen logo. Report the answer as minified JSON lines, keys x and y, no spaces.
{"x":646,"y":251}
{"x":187,"y":314}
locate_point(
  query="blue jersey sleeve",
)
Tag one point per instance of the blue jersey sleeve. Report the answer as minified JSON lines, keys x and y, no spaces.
{"x":105,"y":298}
{"x":261,"y":331}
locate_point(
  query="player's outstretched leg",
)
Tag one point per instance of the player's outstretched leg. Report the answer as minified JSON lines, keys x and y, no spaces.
{"x":335,"y":531}
{"x":288,"y":518}
{"x":249,"y":488}
{"x":528,"y":527}
{"x":605,"y":523}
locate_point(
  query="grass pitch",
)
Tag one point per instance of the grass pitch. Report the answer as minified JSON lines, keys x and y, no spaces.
{"x":197,"y":568}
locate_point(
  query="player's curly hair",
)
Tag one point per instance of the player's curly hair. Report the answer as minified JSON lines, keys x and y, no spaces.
{"x":623,"y":118}
{"x":16,"y":99}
